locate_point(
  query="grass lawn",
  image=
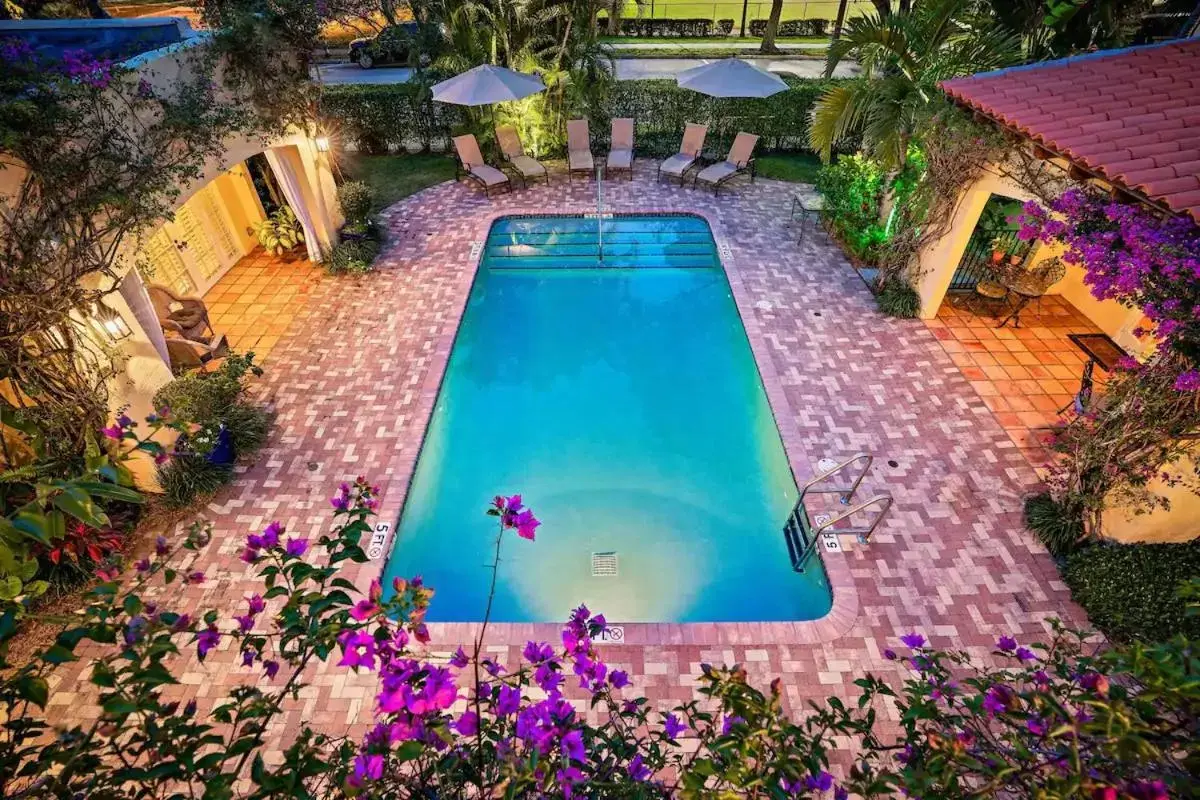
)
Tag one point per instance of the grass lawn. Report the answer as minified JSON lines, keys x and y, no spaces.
{"x":396,"y":177}
{"x":794,"y":167}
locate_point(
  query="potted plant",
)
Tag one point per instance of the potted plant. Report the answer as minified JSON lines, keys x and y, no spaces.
{"x":280,"y":233}
{"x":357,"y":199}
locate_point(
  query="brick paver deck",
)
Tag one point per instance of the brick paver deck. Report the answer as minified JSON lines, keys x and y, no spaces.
{"x":355,"y":376}
{"x":1025,"y":375}
{"x":255,"y":301}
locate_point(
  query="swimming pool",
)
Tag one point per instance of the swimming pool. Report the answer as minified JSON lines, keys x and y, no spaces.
{"x":622,"y":400}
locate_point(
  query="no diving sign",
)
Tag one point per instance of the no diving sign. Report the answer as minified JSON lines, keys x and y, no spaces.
{"x":379,"y":540}
{"x":613,"y":634}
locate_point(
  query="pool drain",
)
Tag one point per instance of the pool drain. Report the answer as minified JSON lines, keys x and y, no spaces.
{"x":604,"y":565}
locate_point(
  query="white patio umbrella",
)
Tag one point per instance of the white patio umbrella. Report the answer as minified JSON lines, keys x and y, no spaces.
{"x":487,"y":84}
{"x":731,"y":77}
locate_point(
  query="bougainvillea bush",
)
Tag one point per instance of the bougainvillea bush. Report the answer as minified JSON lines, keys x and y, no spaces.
{"x":1052,"y":720}
{"x":1141,"y":431}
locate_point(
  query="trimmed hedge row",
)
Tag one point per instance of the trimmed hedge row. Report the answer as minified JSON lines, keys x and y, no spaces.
{"x":380,"y":118}
{"x":673,"y":28}
{"x":792,"y":27}
{"x":1129,"y":590}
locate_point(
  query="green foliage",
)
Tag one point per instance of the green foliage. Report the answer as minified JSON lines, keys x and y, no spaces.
{"x":187,"y":478}
{"x":280,"y":232}
{"x":852,"y":189}
{"x":357,"y":199}
{"x":1057,"y":524}
{"x":904,"y":56}
{"x":1131,"y":591}
{"x":378,"y":118}
{"x":353,"y":256}
{"x":898,"y":298}
{"x":793,"y":167}
{"x":211,"y":400}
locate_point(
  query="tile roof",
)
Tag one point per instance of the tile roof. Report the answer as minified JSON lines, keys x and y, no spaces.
{"x":1131,"y":116}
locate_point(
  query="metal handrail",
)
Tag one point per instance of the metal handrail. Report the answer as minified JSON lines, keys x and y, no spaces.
{"x":847,"y":492}
{"x":802,"y":535}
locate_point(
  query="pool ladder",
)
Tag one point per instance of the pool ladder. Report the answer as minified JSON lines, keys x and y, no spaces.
{"x":802,"y":533}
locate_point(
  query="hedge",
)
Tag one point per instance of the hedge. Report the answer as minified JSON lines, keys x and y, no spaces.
{"x":668,"y":28}
{"x":379,"y":118}
{"x":793,"y":27}
{"x":1129,"y":590}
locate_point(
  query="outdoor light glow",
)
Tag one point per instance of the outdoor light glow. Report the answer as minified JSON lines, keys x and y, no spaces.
{"x":111,"y":323}
{"x":323,"y":144}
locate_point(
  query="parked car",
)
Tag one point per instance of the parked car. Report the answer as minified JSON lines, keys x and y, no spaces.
{"x":396,"y":44}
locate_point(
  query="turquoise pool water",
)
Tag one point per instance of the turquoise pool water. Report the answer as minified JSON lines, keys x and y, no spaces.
{"x":623,"y":402}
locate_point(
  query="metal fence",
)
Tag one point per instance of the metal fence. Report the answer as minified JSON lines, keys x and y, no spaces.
{"x":755,"y":9}
{"x":976,"y":263}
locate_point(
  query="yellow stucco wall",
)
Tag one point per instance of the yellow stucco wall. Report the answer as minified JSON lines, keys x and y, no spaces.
{"x":1178,"y":524}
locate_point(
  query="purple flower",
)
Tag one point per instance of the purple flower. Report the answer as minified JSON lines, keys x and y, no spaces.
{"x":619,"y":679}
{"x":160,"y":545}
{"x":1188,"y":381}
{"x":358,"y":650}
{"x":913,"y":640}
{"x":637,"y":770}
{"x":730,"y":722}
{"x":508,"y":701}
{"x":1025,"y":654}
{"x":206,"y":640}
{"x":363,"y":610}
{"x":672,"y":727}
{"x":467,"y":724}
{"x":526,"y":524}
{"x":113,"y":432}
{"x":271,"y":668}
{"x":822,"y":782}
{"x":256,"y":604}
{"x":572,"y":745}
{"x":536,"y":653}
{"x":194,"y":578}
{"x":248,"y":657}
{"x":142,"y":565}
{"x":997,"y":699}
{"x":1037,"y":726}
{"x":889,"y":654}
{"x":296,"y":546}
{"x":459,"y":660}
{"x":245,"y":623}
{"x":270,"y":535}
{"x":1006,"y":643}
{"x":368,"y":767}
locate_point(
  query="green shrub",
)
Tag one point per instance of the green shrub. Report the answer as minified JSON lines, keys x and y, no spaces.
{"x":1130,"y":591}
{"x":852,"y":188}
{"x":898,"y":298}
{"x":380,"y":118}
{"x":356,"y":199}
{"x":1058,"y":526}
{"x":210,"y":401}
{"x":186,"y":479}
{"x":353,"y":256}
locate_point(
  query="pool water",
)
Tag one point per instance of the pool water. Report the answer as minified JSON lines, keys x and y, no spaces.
{"x":621,"y":399}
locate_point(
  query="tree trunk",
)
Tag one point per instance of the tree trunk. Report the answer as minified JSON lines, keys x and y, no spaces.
{"x":840,"y":21}
{"x":883,"y":7}
{"x":768,"y":40}
{"x":388,"y":7}
{"x":615,"y":7}
{"x":94,"y":10}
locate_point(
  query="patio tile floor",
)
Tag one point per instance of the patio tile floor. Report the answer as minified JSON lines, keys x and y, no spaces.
{"x":255,"y":301}
{"x":354,"y":377}
{"x":1023,"y":375}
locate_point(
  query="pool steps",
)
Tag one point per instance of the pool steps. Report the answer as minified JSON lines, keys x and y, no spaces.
{"x":804,"y":533}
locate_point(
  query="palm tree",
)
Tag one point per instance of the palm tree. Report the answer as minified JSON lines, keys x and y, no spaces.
{"x":903,"y":55}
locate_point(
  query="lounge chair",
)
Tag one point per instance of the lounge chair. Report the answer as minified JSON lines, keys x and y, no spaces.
{"x":188,"y":355}
{"x":579,"y":148}
{"x":183,"y":313}
{"x":689,"y":153}
{"x":620,"y":153}
{"x":472,"y":166}
{"x":738,"y":162}
{"x":514,"y":152}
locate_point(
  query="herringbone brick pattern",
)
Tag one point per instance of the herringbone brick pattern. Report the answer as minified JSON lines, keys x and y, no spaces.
{"x":354,"y":378}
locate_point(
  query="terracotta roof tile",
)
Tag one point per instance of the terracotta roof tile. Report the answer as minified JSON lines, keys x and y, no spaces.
{"x":1132,"y":115}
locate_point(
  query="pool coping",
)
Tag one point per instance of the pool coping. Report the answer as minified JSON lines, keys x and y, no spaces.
{"x":845,"y":606}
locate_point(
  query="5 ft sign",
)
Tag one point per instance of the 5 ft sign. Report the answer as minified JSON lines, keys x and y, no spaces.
{"x":379,"y":539}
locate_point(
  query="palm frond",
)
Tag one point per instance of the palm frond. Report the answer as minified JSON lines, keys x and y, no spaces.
{"x":839,"y":112}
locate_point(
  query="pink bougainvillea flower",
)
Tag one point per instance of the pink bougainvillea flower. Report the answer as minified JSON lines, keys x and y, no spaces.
{"x":913,"y":640}
{"x":508,"y":701}
{"x":114,"y":432}
{"x":672,"y":727}
{"x":358,"y":650}
{"x":637,"y":770}
{"x":467,"y":724}
{"x":271,"y":668}
{"x":363,"y":610}
{"x":526,"y":524}
{"x":296,"y":546}
{"x":572,"y":746}
{"x":1006,"y":643}
{"x":206,"y":640}
{"x":459,"y":660}
{"x":256,"y":603}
